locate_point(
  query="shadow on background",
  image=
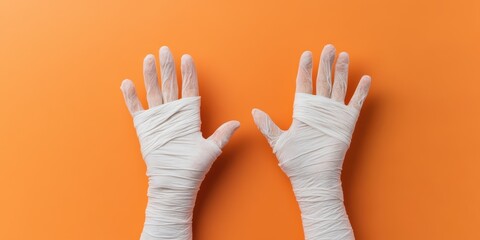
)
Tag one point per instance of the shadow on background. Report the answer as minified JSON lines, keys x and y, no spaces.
{"x":353,"y":162}
{"x":222,"y":166}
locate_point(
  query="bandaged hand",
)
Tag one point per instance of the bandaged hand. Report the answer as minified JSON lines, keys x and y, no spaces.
{"x":176,"y":154}
{"x":312,"y":150}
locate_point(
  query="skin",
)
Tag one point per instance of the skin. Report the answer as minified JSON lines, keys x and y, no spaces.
{"x":336,"y":92}
{"x":169,"y":89}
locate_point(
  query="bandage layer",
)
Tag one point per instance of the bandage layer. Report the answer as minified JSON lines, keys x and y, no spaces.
{"x":311,"y":153}
{"x":177,"y":159}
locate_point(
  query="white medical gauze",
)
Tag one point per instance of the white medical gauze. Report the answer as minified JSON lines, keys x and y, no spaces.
{"x":177,"y":159}
{"x":311,"y":153}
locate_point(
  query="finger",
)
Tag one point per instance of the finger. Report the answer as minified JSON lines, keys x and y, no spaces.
{"x":221,"y":136}
{"x":130,"y":96}
{"x":150,"y":77}
{"x":189,"y":77}
{"x":361,"y":92}
{"x":169,"y":75}
{"x":324,"y":74}
{"x":304,"y":75}
{"x":341,"y":77}
{"x":268,"y":128}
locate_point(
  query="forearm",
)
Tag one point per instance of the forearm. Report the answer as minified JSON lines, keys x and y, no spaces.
{"x":168,"y":214}
{"x":321,"y":203}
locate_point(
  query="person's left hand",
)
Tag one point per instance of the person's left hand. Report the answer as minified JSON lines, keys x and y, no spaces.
{"x":311,"y":152}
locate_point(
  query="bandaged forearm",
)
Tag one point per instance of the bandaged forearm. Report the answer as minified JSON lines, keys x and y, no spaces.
{"x":311,"y":153}
{"x":321,"y":204}
{"x":177,"y":159}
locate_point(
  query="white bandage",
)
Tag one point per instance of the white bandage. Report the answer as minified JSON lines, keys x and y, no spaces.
{"x":177,"y":159}
{"x":311,"y":153}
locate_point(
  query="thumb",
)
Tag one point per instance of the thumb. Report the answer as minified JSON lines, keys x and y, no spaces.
{"x":221,"y":136}
{"x":268,"y":128}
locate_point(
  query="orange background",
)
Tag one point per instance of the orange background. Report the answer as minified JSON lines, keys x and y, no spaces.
{"x":70,"y":164}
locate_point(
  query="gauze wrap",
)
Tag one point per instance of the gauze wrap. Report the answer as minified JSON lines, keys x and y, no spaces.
{"x":177,"y":159}
{"x":311,"y":153}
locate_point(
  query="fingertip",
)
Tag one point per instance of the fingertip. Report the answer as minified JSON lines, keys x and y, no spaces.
{"x":307,"y":54}
{"x":361,"y":92}
{"x":186,"y":62}
{"x":165,"y":55}
{"x":186,"y":58}
{"x":149,"y":58}
{"x":257,"y":113}
{"x":304,"y":74}
{"x":126,"y":81}
{"x":266,"y":126}
{"x":128,"y":89}
{"x":344,"y":57}
{"x":327,"y":57}
{"x":126,"y":85}
{"x":235,"y":124}
{"x":232,"y":125}
{"x":222,"y":135}
{"x":306,"y":59}
{"x":260,"y":118}
{"x":365,"y":83}
{"x":122,"y":84}
{"x":164,"y":49}
{"x":367,"y":79}
{"x":329,"y":47}
{"x":328,"y":54}
{"x":306,"y":62}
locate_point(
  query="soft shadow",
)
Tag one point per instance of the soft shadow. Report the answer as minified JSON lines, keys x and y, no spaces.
{"x":353,"y":161}
{"x":217,"y":172}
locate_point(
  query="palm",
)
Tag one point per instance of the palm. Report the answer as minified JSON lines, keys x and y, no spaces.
{"x":291,"y":139}
{"x":169,"y":131}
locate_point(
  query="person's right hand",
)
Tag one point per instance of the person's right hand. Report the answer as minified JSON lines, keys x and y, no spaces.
{"x":175,"y":152}
{"x":312,"y":150}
